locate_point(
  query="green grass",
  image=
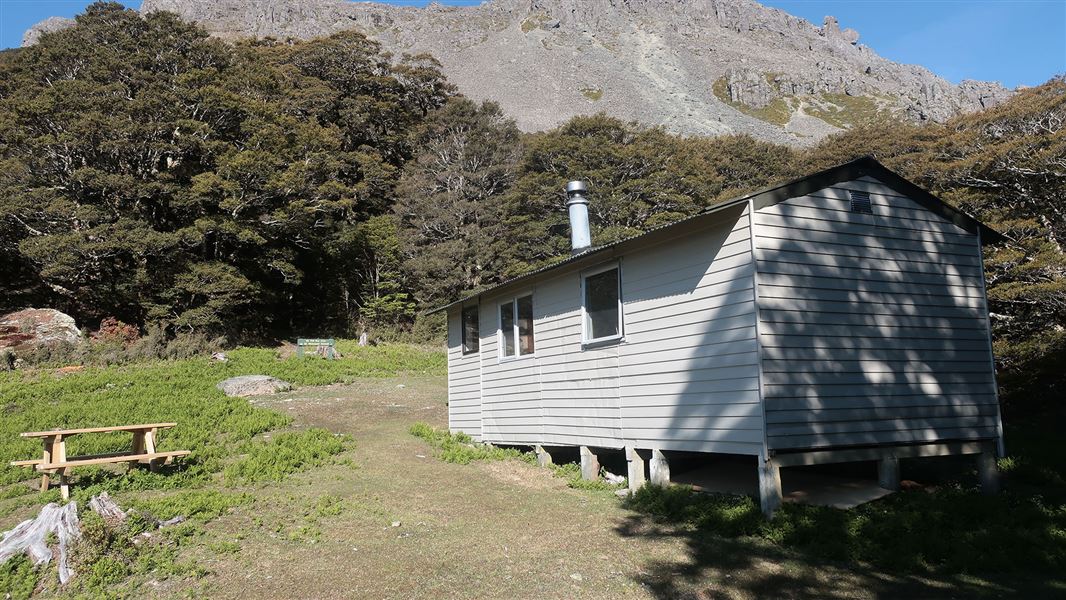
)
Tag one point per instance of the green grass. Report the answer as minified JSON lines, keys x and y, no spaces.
{"x":223,"y":433}
{"x":952,"y":530}
{"x":182,"y":391}
{"x":110,"y":560}
{"x":199,"y":505}
{"x":18,"y":578}
{"x":534,"y":21}
{"x":846,"y":111}
{"x":460,"y":448}
{"x":285,"y":454}
{"x":594,"y":94}
{"x":571,"y":472}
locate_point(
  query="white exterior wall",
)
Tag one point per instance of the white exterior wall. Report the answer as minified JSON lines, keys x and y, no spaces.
{"x":510,"y":390}
{"x":805,"y":326}
{"x":873,"y":327}
{"x":690,"y":378}
{"x":579,"y":388}
{"x":685,"y":377}
{"x":464,"y":381}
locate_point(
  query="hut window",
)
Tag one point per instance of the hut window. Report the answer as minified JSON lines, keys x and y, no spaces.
{"x":471,"y":333}
{"x":602,"y":306}
{"x":516,"y":327}
{"x":860,"y":202}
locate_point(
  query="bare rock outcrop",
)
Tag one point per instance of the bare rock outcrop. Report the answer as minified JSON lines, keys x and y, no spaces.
{"x":653,"y":61}
{"x":749,"y":87}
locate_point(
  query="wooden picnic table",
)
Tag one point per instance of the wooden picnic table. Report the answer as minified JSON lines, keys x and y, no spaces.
{"x":55,"y":460}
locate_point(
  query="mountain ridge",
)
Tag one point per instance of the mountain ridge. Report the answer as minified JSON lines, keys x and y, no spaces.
{"x":700,"y":67}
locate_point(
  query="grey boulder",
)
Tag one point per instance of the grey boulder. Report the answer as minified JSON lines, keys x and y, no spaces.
{"x":31,"y":328}
{"x":252,"y":385}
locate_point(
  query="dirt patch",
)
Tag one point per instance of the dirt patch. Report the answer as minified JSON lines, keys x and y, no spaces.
{"x":520,"y":474}
{"x":393,"y":521}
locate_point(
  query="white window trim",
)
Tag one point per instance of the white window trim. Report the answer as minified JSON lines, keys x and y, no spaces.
{"x":462,"y":330}
{"x":587,"y":342}
{"x":513,"y":302}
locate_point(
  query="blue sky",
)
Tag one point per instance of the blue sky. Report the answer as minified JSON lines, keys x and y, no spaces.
{"x":1016,"y":42}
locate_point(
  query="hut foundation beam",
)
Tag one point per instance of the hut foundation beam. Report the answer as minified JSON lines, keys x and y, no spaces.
{"x":769,"y":488}
{"x":634,"y":469}
{"x":888,"y":473}
{"x":987,"y":473}
{"x":590,"y":464}
{"x":660,"y":469}
{"x":544,"y":458}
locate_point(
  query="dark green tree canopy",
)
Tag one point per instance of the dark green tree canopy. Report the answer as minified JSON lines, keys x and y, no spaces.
{"x":450,"y":199}
{"x":157,"y":175}
{"x":277,"y":187}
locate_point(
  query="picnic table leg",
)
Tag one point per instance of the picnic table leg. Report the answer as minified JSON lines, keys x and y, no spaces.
{"x":138,"y":447}
{"x":149,"y":443}
{"x":61,"y":452}
{"x":47,"y":458}
{"x":64,"y":485}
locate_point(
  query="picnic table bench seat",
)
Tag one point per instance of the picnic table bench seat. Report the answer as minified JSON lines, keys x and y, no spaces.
{"x":55,"y":460}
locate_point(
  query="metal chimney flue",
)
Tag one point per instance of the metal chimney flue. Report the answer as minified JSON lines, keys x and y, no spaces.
{"x":578,"y":204}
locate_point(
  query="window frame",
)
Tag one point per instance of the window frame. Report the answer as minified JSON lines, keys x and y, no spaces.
{"x":501,"y":345}
{"x":462,"y":329}
{"x":586,"y":341}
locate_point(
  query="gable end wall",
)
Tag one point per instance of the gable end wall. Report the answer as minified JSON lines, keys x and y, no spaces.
{"x":873,"y":328}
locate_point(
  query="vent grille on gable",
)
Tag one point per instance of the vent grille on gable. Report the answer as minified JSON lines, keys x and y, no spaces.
{"x":860,"y":202}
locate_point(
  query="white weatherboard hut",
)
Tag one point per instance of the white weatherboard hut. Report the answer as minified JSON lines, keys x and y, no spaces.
{"x":839,"y":317}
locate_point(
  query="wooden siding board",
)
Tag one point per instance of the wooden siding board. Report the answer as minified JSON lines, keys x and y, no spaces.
{"x":464,"y":389}
{"x":890,"y":412}
{"x":787,"y":249}
{"x":908,"y":367}
{"x":889,"y":438}
{"x":875,"y":270}
{"x":914,"y":245}
{"x":824,"y":355}
{"x":839,"y":210}
{"x":689,"y":367}
{"x":870,"y":325}
{"x":867,"y":308}
{"x":868,"y":284}
{"x":929,"y":342}
{"x":871,"y":228}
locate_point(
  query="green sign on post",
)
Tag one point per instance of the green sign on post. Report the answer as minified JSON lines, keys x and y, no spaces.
{"x":326,"y":347}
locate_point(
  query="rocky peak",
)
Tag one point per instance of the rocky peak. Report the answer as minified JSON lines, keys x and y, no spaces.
{"x":831,"y":30}
{"x":692,"y":66}
{"x":48,"y":25}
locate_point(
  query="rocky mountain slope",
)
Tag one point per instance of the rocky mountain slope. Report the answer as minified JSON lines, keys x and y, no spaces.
{"x":693,"y":66}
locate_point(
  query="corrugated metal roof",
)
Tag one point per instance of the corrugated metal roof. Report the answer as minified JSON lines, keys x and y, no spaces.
{"x":866,"y":165}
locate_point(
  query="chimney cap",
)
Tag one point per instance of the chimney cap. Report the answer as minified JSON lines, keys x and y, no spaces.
{"x":576,"y":187}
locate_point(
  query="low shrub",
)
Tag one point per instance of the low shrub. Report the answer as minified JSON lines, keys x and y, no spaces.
{"x":459,"y":447}
{"x":195,"y":505}
{"x":18,"y":578}
{"x":285,"y":454}
{"x":952,"y":529}
{"x":571,"y":472}
{"x":182,"y":391}
{"x":108,"y":553}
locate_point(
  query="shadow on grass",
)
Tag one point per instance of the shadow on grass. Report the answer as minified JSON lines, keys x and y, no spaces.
{"x":951,"y":542}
